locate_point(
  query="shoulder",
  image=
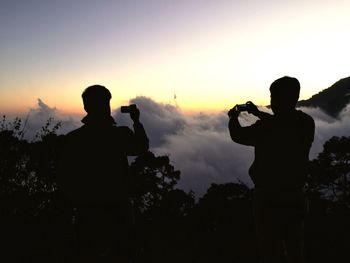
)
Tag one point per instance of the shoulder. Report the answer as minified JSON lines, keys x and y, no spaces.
{"x":306,"y":123}
{"x":76,"y":132}
{"x":123,"y":130}
{"x":75,"y":136}
{"x":304,"y":115}
{"x":305,"y":118}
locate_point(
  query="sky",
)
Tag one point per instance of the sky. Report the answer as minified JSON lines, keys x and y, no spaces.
{"x":211,"y":53}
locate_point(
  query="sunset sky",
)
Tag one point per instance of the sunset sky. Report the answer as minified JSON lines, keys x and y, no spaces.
{"x":211,"y":53}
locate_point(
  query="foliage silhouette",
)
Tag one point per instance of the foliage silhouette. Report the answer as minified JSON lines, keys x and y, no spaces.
{"x":222,"y":225}
{"x":327,"y":225}
{"x":36,"y":224}
{"x":160,"y":209}
{"x":32,"y":205}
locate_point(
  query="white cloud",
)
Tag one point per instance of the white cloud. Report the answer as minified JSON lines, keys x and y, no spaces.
{"x":327,"y":127}
{"x":199,"y":146}
{"x":38,"y":116}
{"x":161,"y":120}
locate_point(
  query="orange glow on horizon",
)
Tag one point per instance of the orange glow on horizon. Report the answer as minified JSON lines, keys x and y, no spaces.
{"x":227,"y":54}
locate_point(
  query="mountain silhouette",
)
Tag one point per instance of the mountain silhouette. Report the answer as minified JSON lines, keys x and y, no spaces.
{"x":331,"y":100}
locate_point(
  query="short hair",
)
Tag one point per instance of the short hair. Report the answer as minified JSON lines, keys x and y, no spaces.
{"x":96,"y":95}
{"x":287,"y":87}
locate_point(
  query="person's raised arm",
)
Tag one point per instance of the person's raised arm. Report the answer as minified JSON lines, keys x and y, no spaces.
{"x":245,"y":135}
{"x":253,"y":109}
{"x":139,"y":142}
{"x":233,"y":125}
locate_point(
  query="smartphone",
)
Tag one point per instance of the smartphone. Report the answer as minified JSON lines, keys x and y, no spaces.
{"x":242,"y":107}
{"x":128,"y":109}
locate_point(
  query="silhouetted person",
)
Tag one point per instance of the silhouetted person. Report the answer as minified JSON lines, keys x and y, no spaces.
{"x":93,"y":177}
{"x":282,"y":143}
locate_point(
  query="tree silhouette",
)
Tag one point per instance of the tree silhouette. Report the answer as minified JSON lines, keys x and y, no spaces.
{"x":223,"y":228}
{"x":327,"y":225}
{"x":331,"y":170}
{"x":27,"y":187}
{"x":160,"y":209}
{"x":36,"y":224}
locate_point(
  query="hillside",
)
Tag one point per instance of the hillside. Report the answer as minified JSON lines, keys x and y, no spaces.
{"x":331,"y":100}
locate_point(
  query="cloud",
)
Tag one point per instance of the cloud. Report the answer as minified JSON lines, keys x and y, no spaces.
{"x":38,"y":116}
{"x":206,"y":156}
{"x":199,"y":145}
{"x":161,"y":120}
{"x":327,"y":127}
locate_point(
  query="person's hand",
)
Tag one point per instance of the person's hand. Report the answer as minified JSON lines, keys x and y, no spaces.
{"x":135,"y":114}
{"x":253,"y":109}
{"x":233,"y":113}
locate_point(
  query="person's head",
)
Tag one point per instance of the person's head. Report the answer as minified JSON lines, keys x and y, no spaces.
{"x":96,"y":100}
{"x":284,"y":94}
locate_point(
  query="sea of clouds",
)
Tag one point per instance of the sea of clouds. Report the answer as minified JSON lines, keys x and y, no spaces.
{"x":198,"y":145}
